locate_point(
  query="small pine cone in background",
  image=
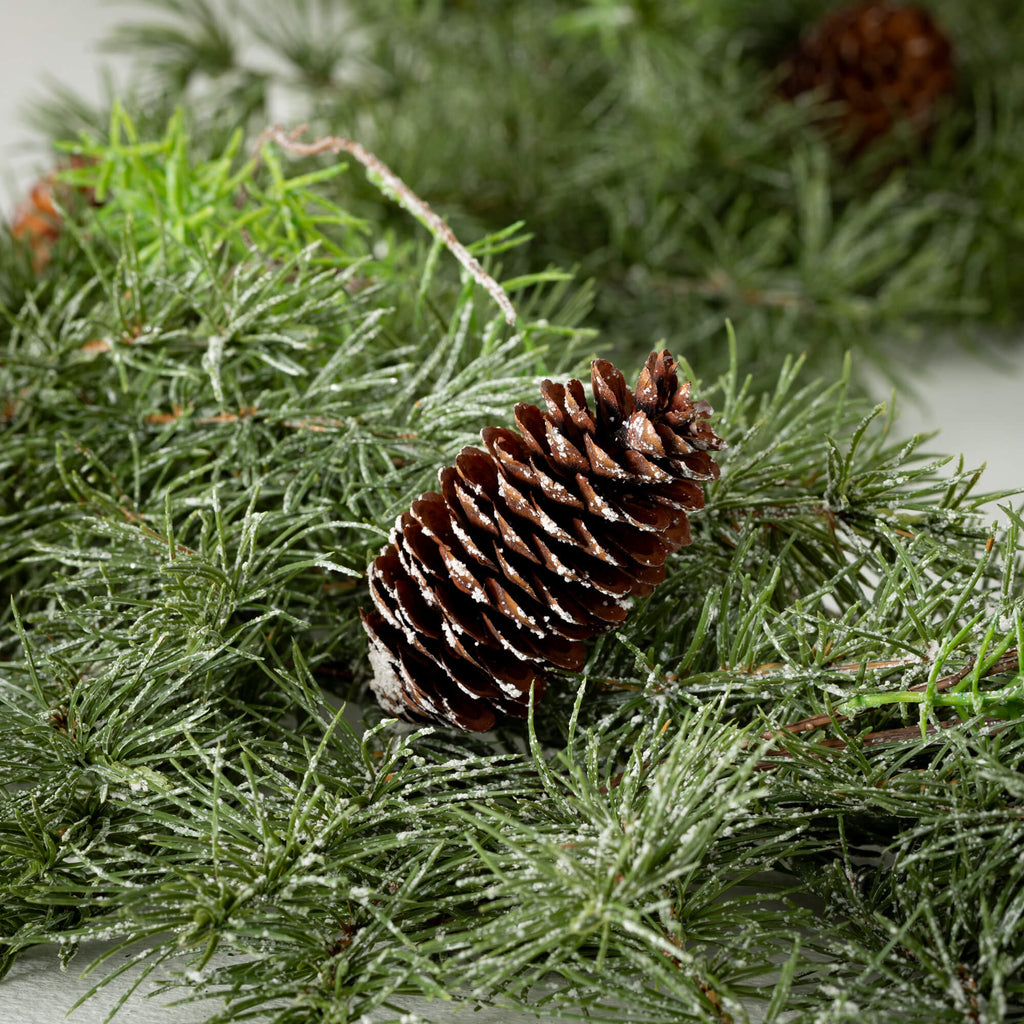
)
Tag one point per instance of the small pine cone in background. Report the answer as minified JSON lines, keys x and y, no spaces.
{"x":536,"y":542}
{"x":885,"y":62}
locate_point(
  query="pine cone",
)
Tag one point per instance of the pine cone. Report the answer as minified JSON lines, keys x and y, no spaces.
{"x":883,"y":61}
{"x":535,"y":543}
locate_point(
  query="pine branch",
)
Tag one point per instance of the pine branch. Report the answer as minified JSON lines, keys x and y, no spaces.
{"x":217,"y":394}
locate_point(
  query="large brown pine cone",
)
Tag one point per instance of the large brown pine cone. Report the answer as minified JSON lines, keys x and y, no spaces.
{"x":535,"y":543}
{"x":884,"y":62}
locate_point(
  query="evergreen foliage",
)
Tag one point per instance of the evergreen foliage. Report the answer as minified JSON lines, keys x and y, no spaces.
{"x":789,"y":786}
{"x":646,"y":144}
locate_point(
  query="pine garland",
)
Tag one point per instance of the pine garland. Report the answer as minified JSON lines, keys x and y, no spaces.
{"x":788,"y":784}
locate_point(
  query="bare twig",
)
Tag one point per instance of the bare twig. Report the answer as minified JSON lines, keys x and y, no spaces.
{"x":885,"y":736}
{"x":392,"y":186}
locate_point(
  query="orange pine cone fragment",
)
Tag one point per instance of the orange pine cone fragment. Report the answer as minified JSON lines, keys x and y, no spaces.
{"x":37,"y":222}
{"x":36,"y":219}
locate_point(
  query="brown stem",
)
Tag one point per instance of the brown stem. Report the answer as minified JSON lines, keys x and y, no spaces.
{"x":882,"y":737}
{"x":1004,"y":664}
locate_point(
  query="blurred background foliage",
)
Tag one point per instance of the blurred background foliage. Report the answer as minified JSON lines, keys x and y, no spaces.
{"x":647,"y":146}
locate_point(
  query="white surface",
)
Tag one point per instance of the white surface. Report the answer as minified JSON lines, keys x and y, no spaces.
{"x":43,"y":41}
{"x":37,"y":991}
{"x":978,"y":408}
{"x":974,"y":401}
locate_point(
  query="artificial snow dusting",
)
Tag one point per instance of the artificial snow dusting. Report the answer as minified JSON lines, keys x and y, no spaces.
{"x":385,"y":683}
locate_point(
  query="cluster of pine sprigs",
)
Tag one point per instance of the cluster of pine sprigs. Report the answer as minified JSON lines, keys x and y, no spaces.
{"x":788,"y":788}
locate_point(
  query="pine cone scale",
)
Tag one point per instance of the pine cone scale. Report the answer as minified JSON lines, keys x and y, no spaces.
{"x":606,"y":552}
{"x":460,"y":619}
{"x":512,"y":540}
{"x":571,"y":613}
{"x":458,"y":497}
{"x":557,"y":492}
{"x":470,"y":545}
{"x":534,"y":544}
